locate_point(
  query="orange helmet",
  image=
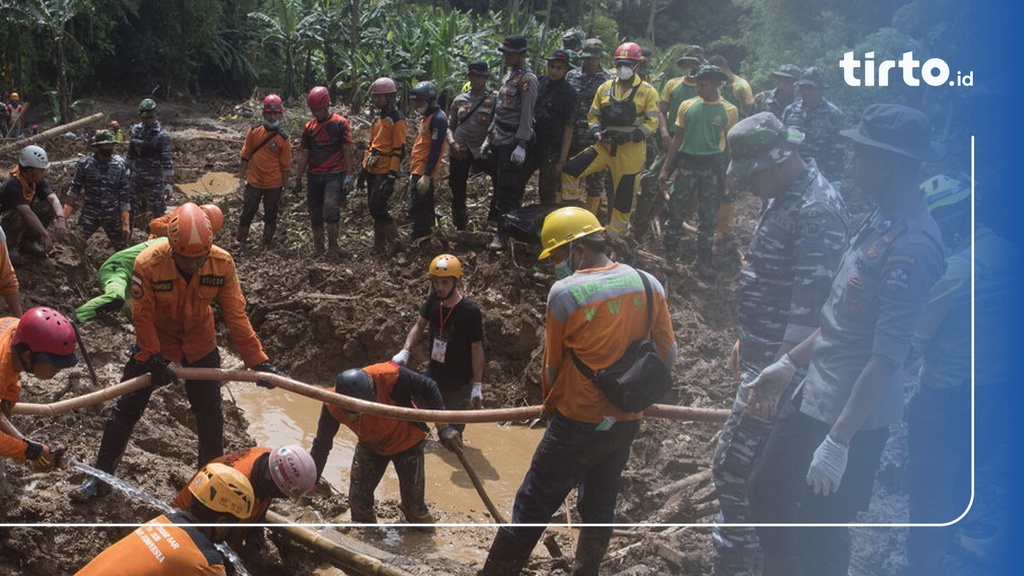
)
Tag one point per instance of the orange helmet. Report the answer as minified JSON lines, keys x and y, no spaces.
{"x":446,"y":265}
{"x":189,"y":231}
{"x":629,"y":51}
{"x":215,"y":215}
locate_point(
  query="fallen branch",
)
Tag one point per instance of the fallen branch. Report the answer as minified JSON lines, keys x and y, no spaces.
{"x":52,"y":132}
{"x":342,"y":555}
{"x":683,"y":484}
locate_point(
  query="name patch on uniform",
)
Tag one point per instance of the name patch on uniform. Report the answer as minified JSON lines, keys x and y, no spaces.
{"x":165,"y":286}
{"x":210,"y":280}
{"x":904,"y":258}
{"x":136,"y":286}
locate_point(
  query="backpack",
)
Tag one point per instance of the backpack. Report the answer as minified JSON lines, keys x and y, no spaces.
{"x":640,"y":377}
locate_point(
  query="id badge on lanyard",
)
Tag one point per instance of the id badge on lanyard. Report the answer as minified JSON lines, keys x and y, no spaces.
{"x":438,"y":350}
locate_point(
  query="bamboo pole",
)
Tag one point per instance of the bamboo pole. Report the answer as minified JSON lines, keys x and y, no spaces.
{"x":102,"y":395}
{"x":339,"y":555}
{"x":52,"y":132}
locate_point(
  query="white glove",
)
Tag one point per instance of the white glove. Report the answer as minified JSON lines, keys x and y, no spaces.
{"x":485,"y":148}
{"x":769,"y":385}
{"x":519,"y":155}
{"x":401,"y":358}
{"x":476,"y":397}
{"x":168,"y":190}
{"x":423,"y":184}
{"x":827,"y":467}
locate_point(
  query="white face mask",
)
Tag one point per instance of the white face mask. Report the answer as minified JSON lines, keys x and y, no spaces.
{"x":625,"y":72}
{"x":421,"y":108}
{"x":272,"y":125}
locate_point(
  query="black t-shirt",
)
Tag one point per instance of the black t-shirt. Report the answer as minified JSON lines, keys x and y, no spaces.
{"x":463,"y":325}
{"x":11,"y":195}
{"x":555,"y":109}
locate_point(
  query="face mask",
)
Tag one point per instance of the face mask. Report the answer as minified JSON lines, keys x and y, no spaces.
{"x":625,"y":72}
{"x":562,"y":270}
{"x":421,"y":108}
{"x":272,"y":125}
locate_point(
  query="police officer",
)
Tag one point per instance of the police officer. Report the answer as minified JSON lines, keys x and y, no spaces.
{"x":469,"y":118}
{"x":101,"y":182}
{"x":820,"y":121}
{"x":511,"y":132}
{"x":553,"y":124}
{"x":786,"y":276}
{"x":152,"y":167}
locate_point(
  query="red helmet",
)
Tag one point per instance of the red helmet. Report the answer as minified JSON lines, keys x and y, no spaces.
{"x":272,"y":103}
{"x":629,"y":51}
{"x":189,"y":231}
{"x":319,"y":97}
{"x":383,"y":85}
{"x":216,"y":216}
{"x":49,"y":335}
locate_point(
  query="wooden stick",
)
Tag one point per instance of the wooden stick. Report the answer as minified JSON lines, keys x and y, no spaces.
{"x":52,"y":132}
{"x":479,"y":485}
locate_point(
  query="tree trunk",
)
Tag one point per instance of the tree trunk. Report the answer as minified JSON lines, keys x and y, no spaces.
{"x":63,"y":91}
{"x":355,"y":100}
{"x":650,"y":20}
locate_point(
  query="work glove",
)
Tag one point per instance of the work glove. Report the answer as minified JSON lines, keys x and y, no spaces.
{"x":361,"y":180}
{"x":266,"y":366}
{"x":168,"y":190}
{"x":41,"y":457}
{"x":160,"y":373}
{"x":387,"y":187}
{"x":769,"y":385}
{"x":476,"y":396}
{"x":113,"y":306}
{"x":450,"y":438}
{"x":423,"y":185}
{"x":6,"y":407}
{"x":348,"y":183}
{"x":485,"y":149}
{"x":827,"y":467}
{"x":519,"y":155}
{"x":401,"y":358}
{"x":637,"y":135}
{"x":595,"y":133}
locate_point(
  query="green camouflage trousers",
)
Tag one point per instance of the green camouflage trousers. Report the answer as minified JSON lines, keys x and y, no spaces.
{"x":703,"y":187}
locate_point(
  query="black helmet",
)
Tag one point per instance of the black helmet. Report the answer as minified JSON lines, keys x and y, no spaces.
{"x":424,"y":91}
{"x":356,"y":383}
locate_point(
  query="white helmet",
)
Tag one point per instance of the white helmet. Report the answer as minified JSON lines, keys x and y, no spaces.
{"x":293,"y":470}
{"x":33,"y":157}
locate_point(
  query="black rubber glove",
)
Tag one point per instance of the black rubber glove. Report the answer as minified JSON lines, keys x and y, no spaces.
{"x":160,"y":373}
{"x":595,"y":133}
{"x":266,"y":366}
{"x":450,"y":438}
{"x":637,"y":135}
{"x":113,"y":306}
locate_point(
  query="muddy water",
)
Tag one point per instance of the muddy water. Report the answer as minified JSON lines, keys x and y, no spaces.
{"x":499,"y":454}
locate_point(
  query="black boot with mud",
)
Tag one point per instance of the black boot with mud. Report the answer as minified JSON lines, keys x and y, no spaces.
{"x":92,"y":488}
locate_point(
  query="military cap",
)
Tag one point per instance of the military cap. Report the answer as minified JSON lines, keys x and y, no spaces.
{"x":813,"y":76}
{"x":513,"y":43}
{"x":478,"y":68}
{"x":593,"y":48}
{"x":898,"y":129}
{"x":103,"y":137}
{"x":567,"y":56}
{"x":693,"y":53}
{"x":790,"y":71}
{"x":573,"y":38}
{"x":708,"y":71}
{"x":758,"y":142}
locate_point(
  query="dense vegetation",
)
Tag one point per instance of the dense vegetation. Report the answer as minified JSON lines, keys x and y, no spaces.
{"x":57,"y":51}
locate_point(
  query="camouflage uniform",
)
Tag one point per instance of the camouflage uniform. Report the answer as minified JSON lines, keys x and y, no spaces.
{"x":103,"y":184}
{"x":149,"y":158}
{"x":785,"y":279}
{"x":821,"y":127}
{"x":586,"y":86}
{"x":769,"y":101}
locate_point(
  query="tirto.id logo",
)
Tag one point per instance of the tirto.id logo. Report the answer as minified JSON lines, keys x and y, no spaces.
{"x":934,"y":71}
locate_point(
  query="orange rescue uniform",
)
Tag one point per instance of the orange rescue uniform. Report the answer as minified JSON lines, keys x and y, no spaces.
{"x":10,"y":387}
{"x":273,"y":158}
{"x":8,"y":280}
{"x":387,"y":143}
{"x":175,"y":549}
{"x":173,"y":316}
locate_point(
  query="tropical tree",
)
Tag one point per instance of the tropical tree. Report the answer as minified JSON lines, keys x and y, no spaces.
{"x":286,"y":25}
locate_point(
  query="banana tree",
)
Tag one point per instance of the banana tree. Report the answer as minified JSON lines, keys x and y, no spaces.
{"x":286,"y":26}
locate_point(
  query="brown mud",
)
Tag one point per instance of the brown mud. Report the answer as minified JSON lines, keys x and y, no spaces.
{"x":317,"y":317}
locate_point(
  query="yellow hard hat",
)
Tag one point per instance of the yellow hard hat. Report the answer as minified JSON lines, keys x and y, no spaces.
{"x":222,"y":488}
{"x":565,"y":225}
{"x":446,"y":265}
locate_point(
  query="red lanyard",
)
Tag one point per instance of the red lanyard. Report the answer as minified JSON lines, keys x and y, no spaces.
{"x":443,"y":317}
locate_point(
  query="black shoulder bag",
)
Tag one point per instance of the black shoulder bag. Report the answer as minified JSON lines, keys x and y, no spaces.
{"x":639,"y":378}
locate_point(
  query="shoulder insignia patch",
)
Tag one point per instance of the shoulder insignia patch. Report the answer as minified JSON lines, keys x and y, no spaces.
{"x":136,"y":288}
{"x":526,"y":85}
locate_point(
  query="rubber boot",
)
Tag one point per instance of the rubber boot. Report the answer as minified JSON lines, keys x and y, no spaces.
{"x":725,"y":218}
{"x":508,"y":555}
{"x":498,"y":242}
{"x":593,"y":204}
{"x":318,"y":239}
{"x":590,"y":550}
{"x":242,"y":236}
{"x":112,"y":447}
{"x":268,"y":234}
{"x":379,"y":238}
{"x":210,"y":429}
{"x":706,"y":264}
{"x":332,"y":239}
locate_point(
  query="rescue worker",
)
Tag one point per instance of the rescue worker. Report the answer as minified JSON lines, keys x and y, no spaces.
{"x":170,"y":544}
{"x":785,"y":278}
{"x":553,"y":115}
{"x":115,"y":129}
{"x":114,"y":275}
{"x":101,"y":183}
{"x":820,"y":121}
{"x":427,"y":156}
{"x":265,"y":167}
{"x":173,"y":285}
{"x":595,"y":310}
{"x":151,"y":164}
{"x":15,"y":124}
{"x":284,"y":472}
{"x":623,"y":113}
{"x":701,"y":127}
{"x":676,"y":91}
{"x":42,"y":342}
{"x":10,"y":288}
{"x":21,"y":213}
{"x":382,"y":162}
{"x":469,"y":118}
{"x":383,"y":440}
{"x":586,"y":80}
{"x":455,"y":329}
{"x":510,"y":133}
{"x":820,"y":460}
{"x":326,"y":152}
{"x":777,"y":99}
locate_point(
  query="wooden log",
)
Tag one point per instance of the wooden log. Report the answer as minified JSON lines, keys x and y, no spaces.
{"x":52,"y":132}
{"x":683,"y":484}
